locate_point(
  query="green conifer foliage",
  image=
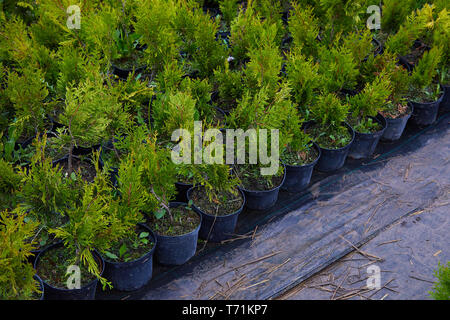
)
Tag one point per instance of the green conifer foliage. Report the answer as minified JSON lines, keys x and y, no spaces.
{"x":16,"y":273}
{"x":304,"y":28}
{"x":84,"y":116}
{"x":303,"y":75}
{"x":27,"y":92}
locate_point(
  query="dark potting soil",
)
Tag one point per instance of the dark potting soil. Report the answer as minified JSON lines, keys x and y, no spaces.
{"x":52,"y":268}
{"x":83,"y":168}
{"x":395,"y":111}
{"x":226,"y":203}
{"x":368,"y":126}
{"x":416,"y":53}
{"x":136,"y":61}
{"x":301,"y":158}
{"x":185,"y":220}
{"x":427,"y":95}
{"x":337,"y":140}
{"x":134,"y":246}
{"x":251,"y":178}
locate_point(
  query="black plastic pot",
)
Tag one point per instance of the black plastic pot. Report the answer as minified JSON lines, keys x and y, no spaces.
{"x":425,"y":114}
{"x":41,"y":286}
{"x":445,"y":103}
{"x":262,"y":200}
{"x":86,"y":292}
{"x":334,"y":159}
{"x":131,"y":275}
{"x":365,"y":143}
{"x":298,"y":177}
{"x":218,"y":228}
{"x":177,"y":250}
{"x":182,"y":189}
{"x":124,"y":73}
{"x":395,"y":127}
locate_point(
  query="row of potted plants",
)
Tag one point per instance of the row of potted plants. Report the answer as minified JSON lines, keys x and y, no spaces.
{"x":98,"y":188}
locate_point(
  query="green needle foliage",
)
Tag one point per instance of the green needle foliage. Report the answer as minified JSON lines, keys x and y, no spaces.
{"x":27,"y":92}
{"x":329,"y":113}
{"x":394,"y":13}
{"x":10,"y":184}
{"x":16,"y":273}
{"x":303,"y":75}
{"x":153,"y":19}
{"x":84,"y":116}
{"x":369,"y":102}
{"x":229,"y":9}
{"x":304,"y":28}
{"x":90,"y":226}
{"x":441,"y":288}
{"x":338,"y":68}
{"x":173,"y":111}
{"x":423,"y":75}
{"x":45,"y":192}
{"x":230,"y":85}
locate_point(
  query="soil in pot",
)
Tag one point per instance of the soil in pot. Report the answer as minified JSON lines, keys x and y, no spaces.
{"x":300,"y":158}
{"x":251,"y":178}
{"x":129,"y":262}
{"x":53,"y":264}
{"x":367,"y":136}
{"x":334,"y":147}
{"x":261,"y":192}
{"x":337,"y":140}
{"x":177,"y":238}
{"x":299,"y":168}
{"x":425,"y":110}
{"x":227,"y":202}
{"x":80,"y":165}
{"x":131,"y":248}
{"x":396,"y":118}
{"x":185,"y":220}
{"x":219,"y":216}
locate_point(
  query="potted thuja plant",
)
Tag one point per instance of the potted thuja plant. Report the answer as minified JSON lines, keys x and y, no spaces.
{"x":263,"y":116}
{"x":424,"y":96}
{"x":17,"y":276}
{"x":218,"y":200}
{"x":330,"y":131}
{"x":27,"y":91}
{"x":367,"y":123}
{"x":176,"y":225}
{"x":129,"y":260}
{"x":45,"y":194}
{"x":300,"y":155}
{"x":71,"y":268}
{"x":86,"y":125}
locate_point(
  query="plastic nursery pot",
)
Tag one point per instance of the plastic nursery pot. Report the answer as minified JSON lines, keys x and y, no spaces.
{"x":218,"y":228}
{"x":177,"y":250}
{"x":334,"y":159}
{"x":262,"y":200}
{"x":124,"y":73}
{"x":365,"y":143}
{"x":87,"y":292}
{"x":298,"y":177}
{"x":425,"y":114}
{"x":445,"y":103}
{"x":395,"y":127}
{"x":182,"y":189}
{"x":132,"y":275}
{"x":41,"y":286}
